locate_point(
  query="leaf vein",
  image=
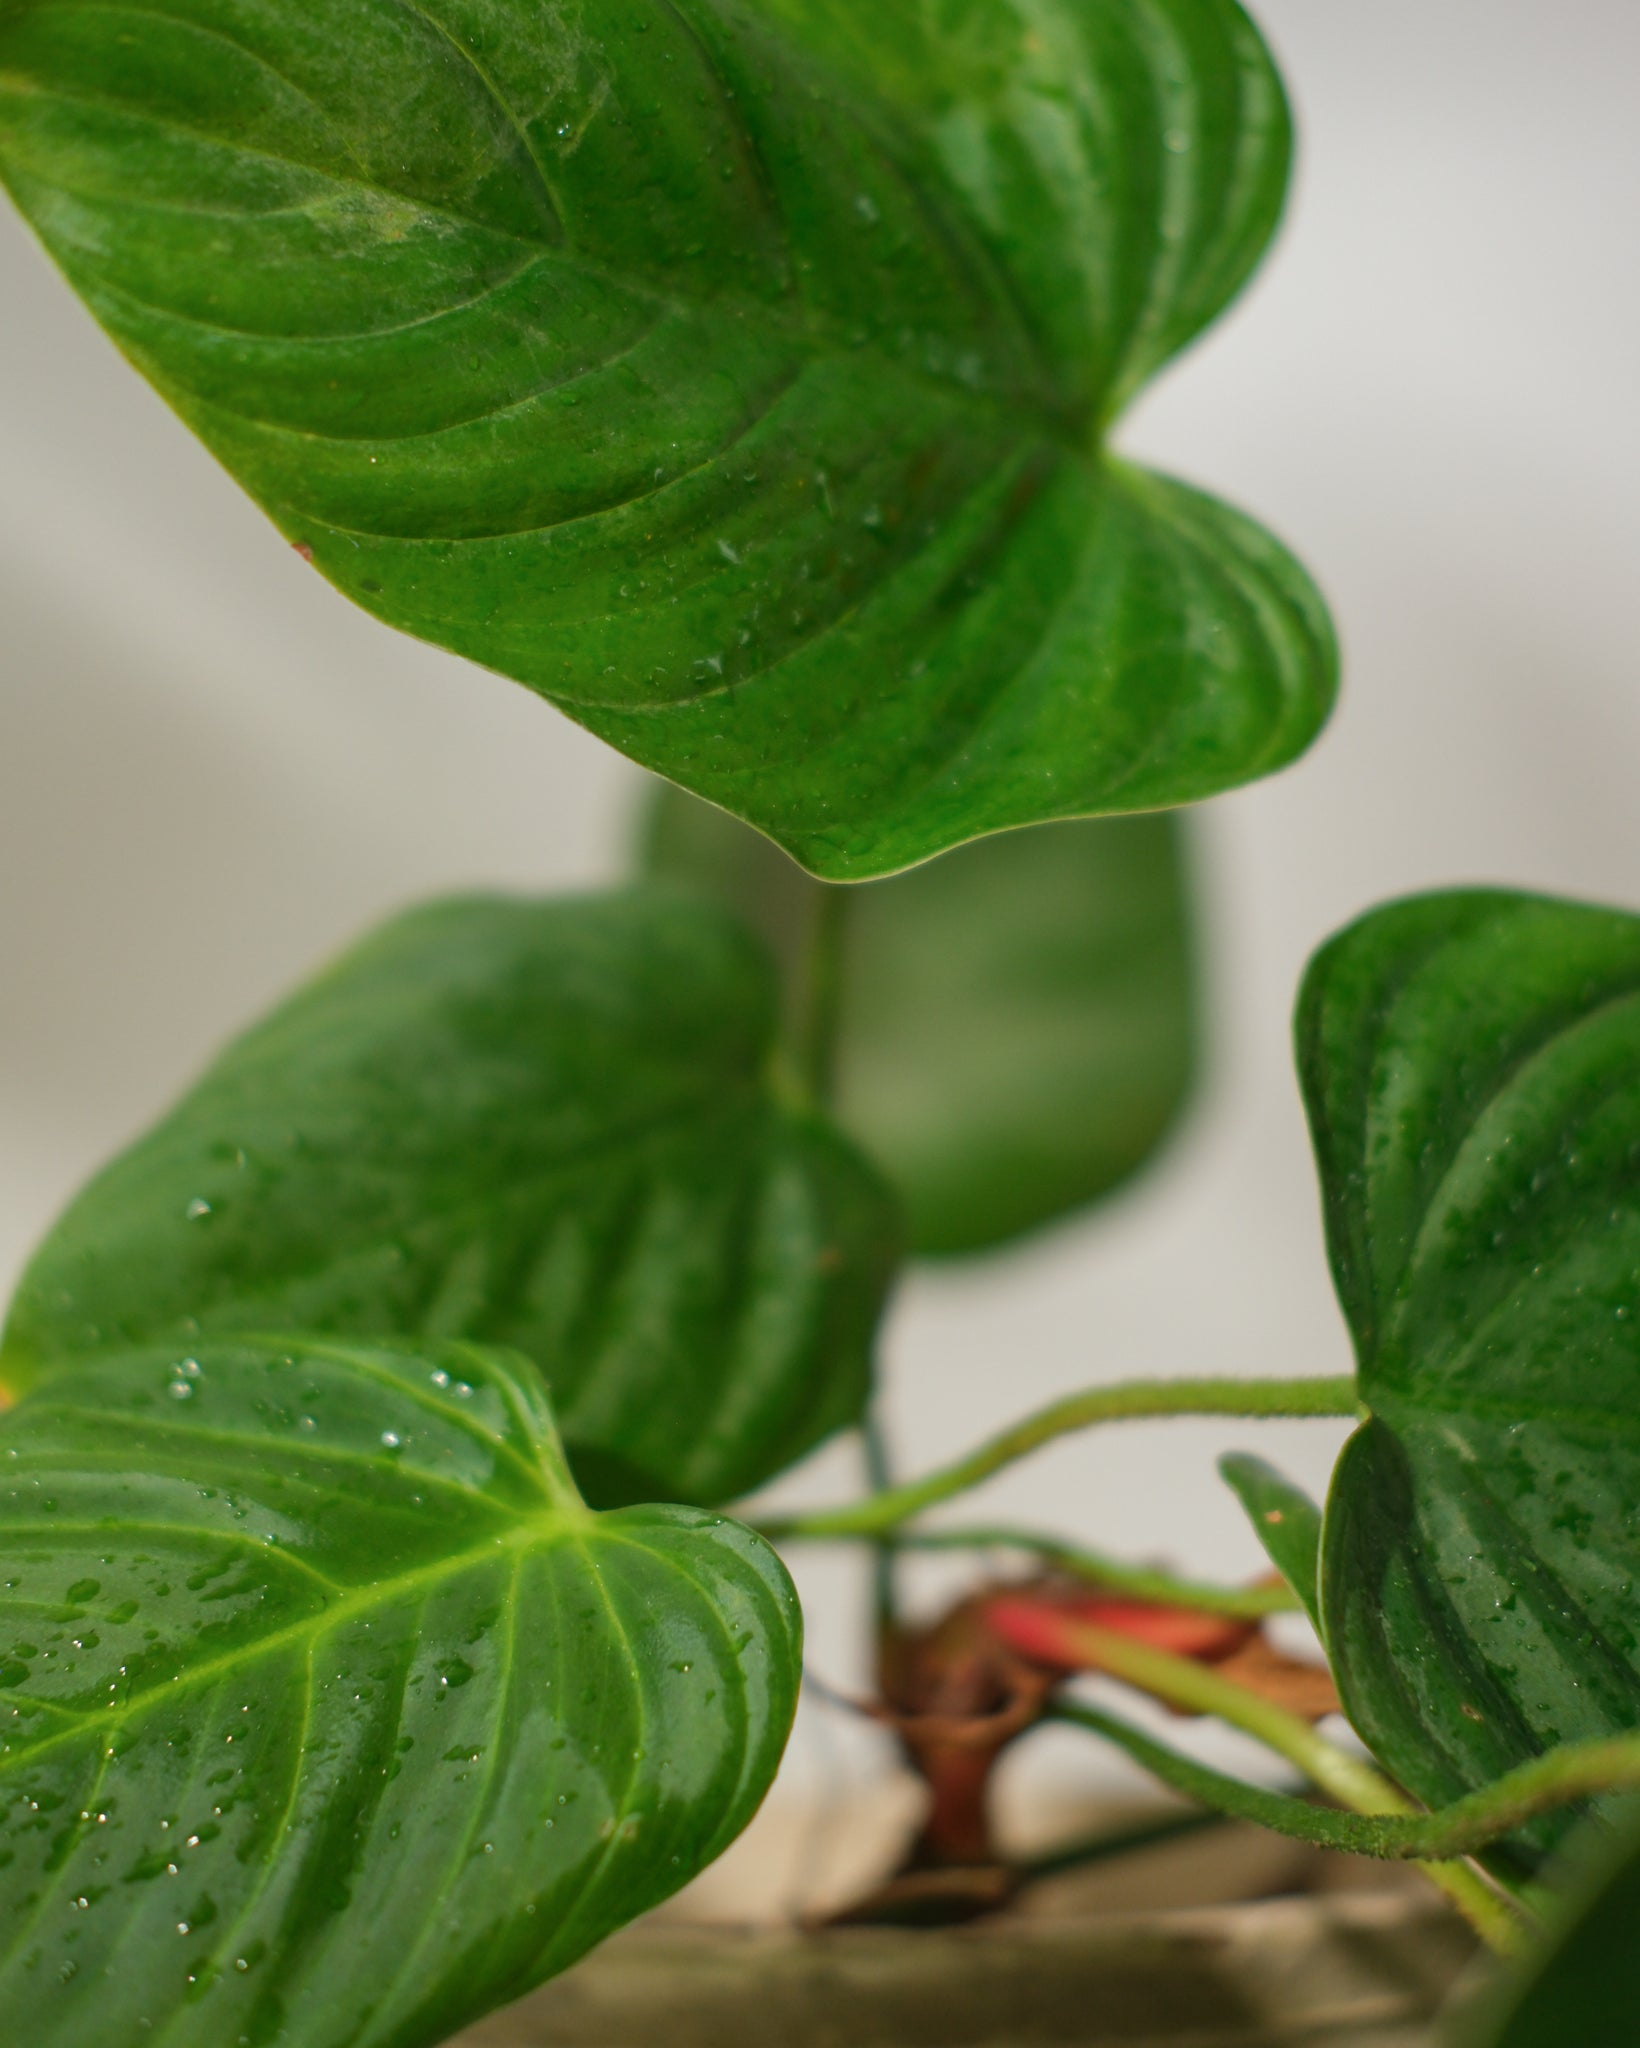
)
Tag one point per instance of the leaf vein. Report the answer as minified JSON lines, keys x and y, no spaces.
{"x":377,"y":1593}
{"x":497,"y":99}
{"x":558,"y":382}
{"x":1438,"y":1202}
{"x":269,"y":1863}
{"x":180,"y":1531}
{"x":481,"y":1794}
{"x":721,"y":453}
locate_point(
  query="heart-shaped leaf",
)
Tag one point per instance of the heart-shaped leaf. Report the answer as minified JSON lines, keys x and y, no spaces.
{"x":1016,"y":1032}
{"x":543,"y":1124}
{"x":1471,"y":1064}
{"x":331,"y":1715}
{"x":733,"y":372}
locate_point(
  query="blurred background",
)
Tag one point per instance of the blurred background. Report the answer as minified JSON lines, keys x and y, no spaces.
{"x":213,"y":772}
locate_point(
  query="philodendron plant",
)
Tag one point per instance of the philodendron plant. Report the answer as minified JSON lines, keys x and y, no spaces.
{"x":375,"y":1636}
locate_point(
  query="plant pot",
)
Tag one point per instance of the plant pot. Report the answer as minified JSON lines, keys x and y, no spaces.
{"x":1311,"y":1969}
{"x":1362,"y":1971}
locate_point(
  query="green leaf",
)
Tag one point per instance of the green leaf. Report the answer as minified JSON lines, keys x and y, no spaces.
{"x":735,"y":373}
{"x":1017,"y":1025}
{"x":1580,"y":1989}
{"x":331,"y":1715}
{"x":1471,"y":1065}
{"x":1285,"y":1520}
{"x":543,"y":1124}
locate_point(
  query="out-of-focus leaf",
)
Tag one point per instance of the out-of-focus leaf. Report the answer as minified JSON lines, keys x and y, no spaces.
{"x":1580,"y":1989}
{"x":1285,"y":1520}
{"x":1471,"y":1064}
{"x":1017,"y":1030}
{"x":544,"y":1124}
{"x":331,"y":1715}
{"x":735,"y":373}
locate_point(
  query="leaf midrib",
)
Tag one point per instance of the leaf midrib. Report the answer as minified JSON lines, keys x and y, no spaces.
{"x":544,"y":1530}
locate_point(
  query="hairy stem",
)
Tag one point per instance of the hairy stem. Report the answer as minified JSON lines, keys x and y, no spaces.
{"x":1132,"y":1401}
{"x":1140,"y":1582}
{"x":1198,"y":1689}
{"x":1579,"y":1771}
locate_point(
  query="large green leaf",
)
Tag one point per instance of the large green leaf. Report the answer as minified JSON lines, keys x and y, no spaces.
{"x":1471,"y":1063}
{"x":1581,"y":1988}
{"x":544,"y":1124}
{"x":733,"y":372}
{"x":1016,"y":1031}
{"x":332,"y":1717}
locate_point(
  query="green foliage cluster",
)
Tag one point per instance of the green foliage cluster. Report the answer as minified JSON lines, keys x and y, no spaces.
{"x":738,"y":375}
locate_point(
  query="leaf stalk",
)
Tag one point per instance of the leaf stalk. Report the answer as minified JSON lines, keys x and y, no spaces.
{"x":1110,"y":1574}
{"x":1129,"y":1401}
{"x":1579,"y":1771}
{"x":1353,"y":1783}
{"x":820,"y":1027}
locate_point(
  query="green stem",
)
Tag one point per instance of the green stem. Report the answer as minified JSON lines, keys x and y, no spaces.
{"x":1198,"y":1689}
{"x":823,"y":993}
{"x":1579,"y":1771}
{"x":885,"y":1598}
{"x":819,"y":1032}
{"x":1132,"y":1401}
{"x":1142,"y":1582}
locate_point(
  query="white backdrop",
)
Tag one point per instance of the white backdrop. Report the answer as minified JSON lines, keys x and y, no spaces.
{"x":212,"y":771}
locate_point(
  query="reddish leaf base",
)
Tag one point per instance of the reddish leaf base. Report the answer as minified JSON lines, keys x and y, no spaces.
{"x":1039,"y":1622}
{"x":957,"y":1694}
{"x":959,"y":1691}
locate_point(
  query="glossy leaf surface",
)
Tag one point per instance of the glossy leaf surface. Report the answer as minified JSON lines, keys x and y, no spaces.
{"x":1285,"y":1520}
{"x":733,"y":372}
{"x":1582,"y":1988}
{"x":331,"y":1716}
{"x":1017,"y":1023}
{"x":539,"y":1123}
{"x":1471,"y":1064}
